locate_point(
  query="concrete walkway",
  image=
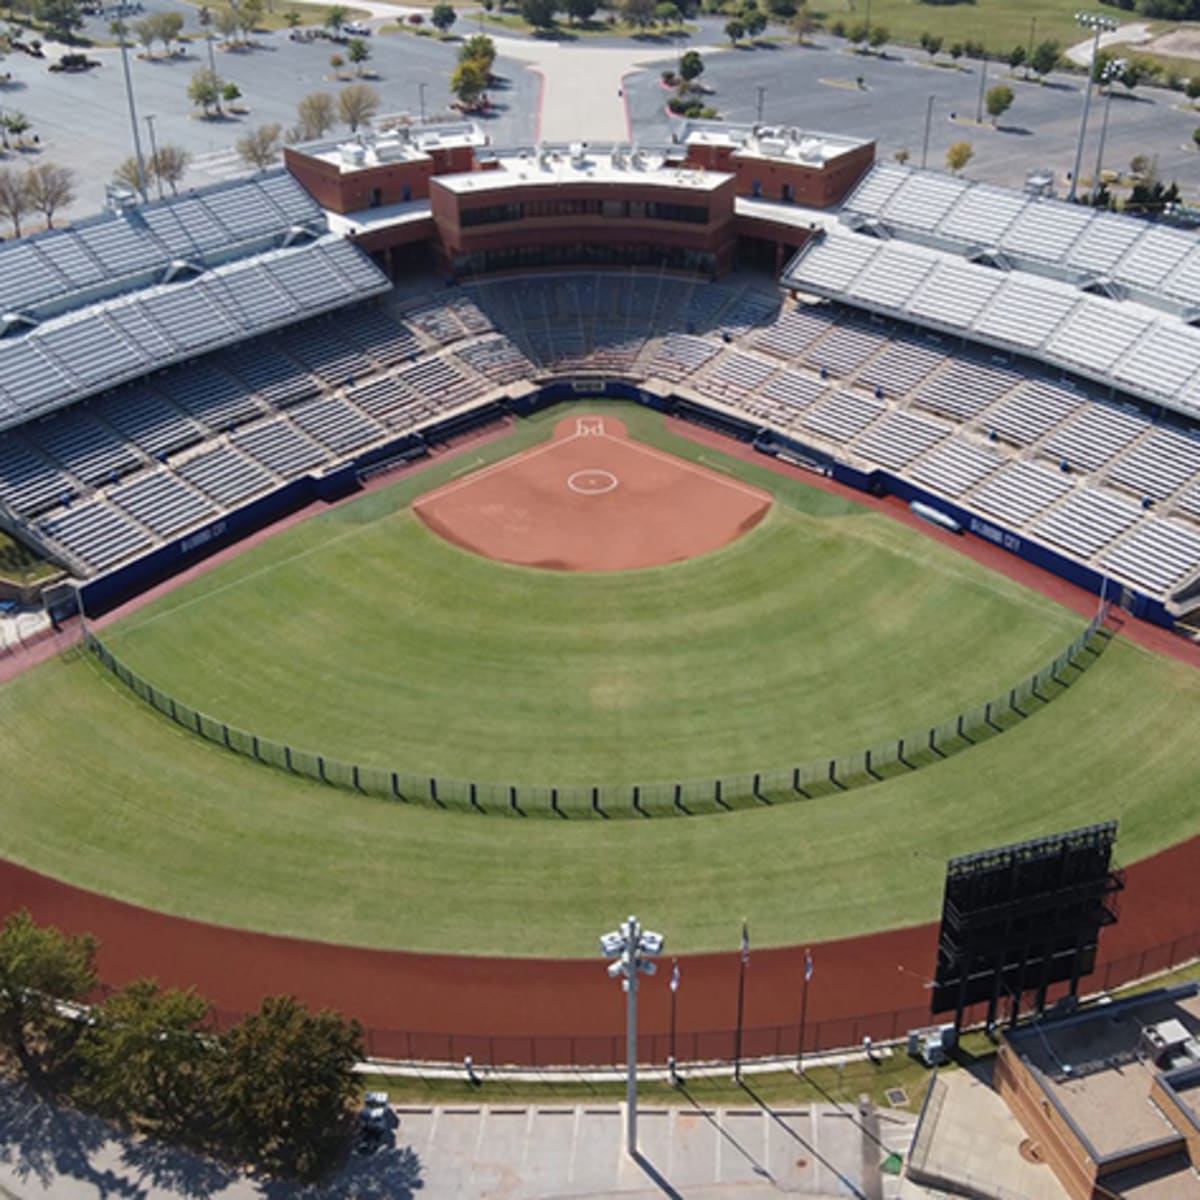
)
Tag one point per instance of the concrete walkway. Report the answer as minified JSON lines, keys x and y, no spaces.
{"x":471,"y":1151}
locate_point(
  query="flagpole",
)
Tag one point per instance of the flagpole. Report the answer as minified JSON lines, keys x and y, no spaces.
{"x":741,"y":1007}
{"x":803,"y":1011}
{"x":674,"y":1000}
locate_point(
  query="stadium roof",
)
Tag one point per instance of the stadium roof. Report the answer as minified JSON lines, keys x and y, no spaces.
{"x":122,"y":294}
{"x":1120,"y":343}
{"x":1123,"y":256}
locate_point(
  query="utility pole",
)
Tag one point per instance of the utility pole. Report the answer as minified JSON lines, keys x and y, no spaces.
{"x":762,"y":92}
{"x":154,"y":153}
{"x":119,"y":29}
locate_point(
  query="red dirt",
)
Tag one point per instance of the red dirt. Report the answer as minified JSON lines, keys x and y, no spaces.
{"x":592,"y":500}
{"x":559,"y":1001}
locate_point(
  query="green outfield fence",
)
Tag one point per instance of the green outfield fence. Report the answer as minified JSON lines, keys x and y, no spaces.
{"x":686,"y":797}
{"x":778,"y":1042}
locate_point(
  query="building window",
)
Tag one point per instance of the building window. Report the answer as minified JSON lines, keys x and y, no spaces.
{"x":407,"y":195}
{"x":789,"y":194}
{"x":375,"y":199}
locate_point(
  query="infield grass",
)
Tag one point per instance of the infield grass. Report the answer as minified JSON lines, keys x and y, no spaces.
{"x":98,"y":789}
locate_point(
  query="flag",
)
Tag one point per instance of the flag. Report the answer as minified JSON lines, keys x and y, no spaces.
{"x":745,"y":944}
{"x":808,"y":965}
{"x":675,"y":977}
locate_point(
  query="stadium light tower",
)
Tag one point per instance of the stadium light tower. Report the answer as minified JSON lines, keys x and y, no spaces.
{"x":632,"y":950}
{"x":1098,"y":23}
{"x":1113,"y":71}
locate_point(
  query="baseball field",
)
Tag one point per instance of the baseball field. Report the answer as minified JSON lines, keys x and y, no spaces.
{"x":365,"y":632}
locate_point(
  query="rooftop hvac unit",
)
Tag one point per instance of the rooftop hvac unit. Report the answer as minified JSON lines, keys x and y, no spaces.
{"x":352,"y":154}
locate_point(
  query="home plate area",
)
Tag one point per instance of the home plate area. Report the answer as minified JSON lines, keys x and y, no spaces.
{"x":592,"y":499}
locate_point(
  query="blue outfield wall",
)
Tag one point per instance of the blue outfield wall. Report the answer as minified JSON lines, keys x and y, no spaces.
{"x":105,"y":593}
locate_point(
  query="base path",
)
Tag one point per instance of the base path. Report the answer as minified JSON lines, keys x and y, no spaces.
{"x":592,"y":500}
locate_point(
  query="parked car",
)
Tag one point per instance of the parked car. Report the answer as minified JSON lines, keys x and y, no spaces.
{"x":373,"y":1121}
{"x":357,"y":28}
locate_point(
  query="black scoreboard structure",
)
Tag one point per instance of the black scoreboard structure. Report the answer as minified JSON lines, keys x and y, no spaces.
{"x":1020,"y":918}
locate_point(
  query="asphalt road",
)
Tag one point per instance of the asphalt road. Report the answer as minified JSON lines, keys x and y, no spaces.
{"x":82,"y":120}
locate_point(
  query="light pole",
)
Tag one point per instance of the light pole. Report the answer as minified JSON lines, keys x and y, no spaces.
{"x":1098,"y":23}
{"x":762,"y":93}
{"x":982,"y":84}
{"x":154,"y":153}
{"x":928,"y":123}
{"x":632,"y":948}
{"x":119,"y":29}
{"x":1112,"y":72}
{"x":421,"y":92}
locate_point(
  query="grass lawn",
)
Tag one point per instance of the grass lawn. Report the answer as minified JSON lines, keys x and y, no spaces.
{"x":100,"y":790}
{"x":19,"y":564}
{"x":811,"y":637}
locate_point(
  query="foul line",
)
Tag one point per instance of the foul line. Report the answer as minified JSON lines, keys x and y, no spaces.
{"x":710,"y":474}
{"x":448,"y":489}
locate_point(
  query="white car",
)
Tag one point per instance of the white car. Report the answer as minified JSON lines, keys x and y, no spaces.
{"x":357,"y":29}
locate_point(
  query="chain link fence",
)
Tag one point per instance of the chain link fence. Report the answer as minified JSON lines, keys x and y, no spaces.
{"x":685,"y":797}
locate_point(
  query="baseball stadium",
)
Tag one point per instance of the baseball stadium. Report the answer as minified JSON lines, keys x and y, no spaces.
{"x":452,"y":549}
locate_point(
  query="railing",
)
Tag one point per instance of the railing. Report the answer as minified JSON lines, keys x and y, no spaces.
{"x":684,"y":797}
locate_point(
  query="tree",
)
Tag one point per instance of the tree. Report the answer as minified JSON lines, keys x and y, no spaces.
{"x":293,"y":19}
{"x":1016,"y":57}
{"x":931,"y":43}
{"x":170,"y":164}
{"x":126,"y":174}
{"x":479,"y":49}
{"x":1196,"y":136}
{"x":539,"y":13}
{"x":442,"y":16}
{"x":357,"y":51}
{"x":469,"y":82}
{"x":143,"y":1056}
{"x":227,"y":24}
{"x":250,"y":13}
{"x":879,"y":38}
{"x":580,"y":10}
{"x":858,"y":32}
{"x":316,"y":114}
{"x":638,"y":12}
{"x":755,"y":21}
{"x":282,"y":1086}
{"x":691,"y":66}
{"x":1044,"y":57}
{"x":999,"y":101}
{"x":336,"y":17}
{"x":205,"y":90}
{"x":735,"y":31}
{"x":337,"y":62}
{"x":50,"y":187}
{"x":803,"y":23}
{"x":231,"y":93}
{"x":667,"y":14}
{"x":260,"y":147}
{"x":902,"y":155}
{"x":1193,"y":88}
{"x":170,"y":26}
{"x":39,"y":965}
{"x":1132,"y":74}
{"x":955,"y":51}
{"x":146,"y":32}
{"x":959,"y":155}
{"x":358,"y":104}
{"x":62,"y":16}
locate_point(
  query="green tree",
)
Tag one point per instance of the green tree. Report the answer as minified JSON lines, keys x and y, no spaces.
{"x":127,"y":175}
{"x":858,"y":32}
{"x":205,"y":90}
{"x":1016,"y":57}
{"x":357,"y":51}
{"x":479,"y":49}
{"x":170,"y":163}
{"x":580,"y":10}
{"x":735,"y":31}
{"x":755,"y":21}
{"x":227,"y":24}
{"x":316,"y":115}
{"x":469,"y":82}
{"x":50,"y":188}
{"x":170,"y":26}
{"x":143,"y":1057}
{"x":337,"y":62}
{"x":260,"y":147}
{"x":1132,"y":74}
{"x":931,"y":43}
{"x":357,"y":104}
{"x":955,"y":51}
{"x":231,"y":93}
{"x":293,"y":19}
{"x":959,"y":155}
{"x":62,"y":16}
{"x":1045,"y":57}
{"x":667,"y":14}
{"x":39,"y":965}
{"x":902,"y":155}
{"x":539,"y":13}
{"x":336,"y":17}
{"x":443,"y":17}
{"x":250,"y":14}
{"x":879,"y":37}
{"x":1193,"y":88}
{"x":638,"y":12}
{"x":146,"y":32}
{"x":691,"y":66}
{"x":283,"y":1087}
{"x":999,"y":101}
{"x":1196,"y":136}
{"x":803,"y":23}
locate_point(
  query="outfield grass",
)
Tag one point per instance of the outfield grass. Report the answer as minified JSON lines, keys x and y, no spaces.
{"x":366,"y":637}
{"x":102,"y":791}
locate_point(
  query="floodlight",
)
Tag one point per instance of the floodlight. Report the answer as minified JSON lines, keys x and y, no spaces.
{"x":612,"y":943}
{"x":651,"y":943}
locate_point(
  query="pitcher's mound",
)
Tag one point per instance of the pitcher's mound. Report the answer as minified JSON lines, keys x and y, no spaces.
{"x":592,"y":500}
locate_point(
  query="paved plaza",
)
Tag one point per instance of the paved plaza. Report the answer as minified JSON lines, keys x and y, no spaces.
{"x":478,"y":1150}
